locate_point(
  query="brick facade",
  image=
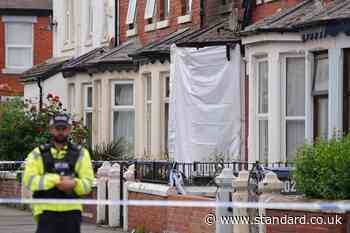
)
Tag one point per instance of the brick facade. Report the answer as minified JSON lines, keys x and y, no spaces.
{"x":11,"y":188}
{"x":267,"y":9}
{"x":9,"y":83}
{"x":211,"y":10}
{"x":169,"y":219}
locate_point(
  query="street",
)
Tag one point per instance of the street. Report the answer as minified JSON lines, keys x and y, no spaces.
{"x":17,"y":221}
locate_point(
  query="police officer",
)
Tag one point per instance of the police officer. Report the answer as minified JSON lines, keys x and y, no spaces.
{"x":58,"y":170}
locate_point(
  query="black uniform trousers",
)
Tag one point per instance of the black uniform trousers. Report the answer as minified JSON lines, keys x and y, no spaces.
{"x":59,"y":222}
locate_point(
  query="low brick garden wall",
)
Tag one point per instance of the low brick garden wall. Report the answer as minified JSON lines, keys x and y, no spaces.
{"x":10,"y":187}
{"x":169,"y":219}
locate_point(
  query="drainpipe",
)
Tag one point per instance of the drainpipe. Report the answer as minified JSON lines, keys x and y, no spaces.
{"x":117,"y":26}
{"x":40,"y":93}
{"x":202,"y":13}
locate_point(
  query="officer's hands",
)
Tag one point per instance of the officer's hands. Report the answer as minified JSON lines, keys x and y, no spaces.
{"x":66,"y":184}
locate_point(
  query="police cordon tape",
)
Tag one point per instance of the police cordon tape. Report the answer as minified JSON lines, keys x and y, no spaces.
{"x":342,"y":206}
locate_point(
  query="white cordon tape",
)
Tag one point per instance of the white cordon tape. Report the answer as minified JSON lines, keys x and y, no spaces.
{"x":329,"y":206}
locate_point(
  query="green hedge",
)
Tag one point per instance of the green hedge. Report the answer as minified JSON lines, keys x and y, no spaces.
{"x":323,"y":169}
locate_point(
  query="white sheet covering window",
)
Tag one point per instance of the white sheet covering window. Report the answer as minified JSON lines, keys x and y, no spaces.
{"x":123,"y":112}
{"x":295,"y":105}
{"x":131,"y":12}
{"x":205,"y":114}
{"x":150,"y":9}
{"x":19,"y":45}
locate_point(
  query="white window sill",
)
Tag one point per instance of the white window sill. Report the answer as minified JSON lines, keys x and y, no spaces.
{"x":14,"y":70}
{"x":150,"y":27}
{"x":184,"y":19}
{"x":132,"y":32}
{"x":163,"y":24}
{"x":88,"y":41}
{"x":67,"y":47}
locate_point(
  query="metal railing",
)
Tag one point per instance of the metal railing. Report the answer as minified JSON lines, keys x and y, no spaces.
{"x":196,"y":173}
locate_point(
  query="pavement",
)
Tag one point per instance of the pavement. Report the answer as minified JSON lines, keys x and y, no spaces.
{"x":18,"y":221}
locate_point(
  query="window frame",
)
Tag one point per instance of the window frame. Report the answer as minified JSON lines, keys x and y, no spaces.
{"x":318,"y":95}
{"x":164,"y":100}
{"x":115,"y":108}
{"x":131,"y":24}
{"x":346,"y":91}
{"x":261,"y":116}
{"x":148,"y":140}
{"x":88,"y":109}
{"x":286,"y":118}
{"x":20,"y":69}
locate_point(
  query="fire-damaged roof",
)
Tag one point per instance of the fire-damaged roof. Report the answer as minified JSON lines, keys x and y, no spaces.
{"x":102,"y":59}
{"x":218,"y":33}
{"x":44,"y":70}
{"x":334,"y":17}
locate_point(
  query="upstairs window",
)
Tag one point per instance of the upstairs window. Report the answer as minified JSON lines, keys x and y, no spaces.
{"x":131,"y":17}
{"x":186,"y":7}
{"x":150,"y":11}
{"x":69,"y":24}
{"x":18,"y":43}
{"x":164,"y":9}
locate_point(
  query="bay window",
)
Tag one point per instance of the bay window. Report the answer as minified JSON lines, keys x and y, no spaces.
{"x":123,"y":111}
{"x":262,"y":113}
{"x":148,"y":116}
{"x":88,"y":108}
{"x":294,"y":105}
{"x":320,"y":95}
{"x":165,"y":111}
{"x":346,"y":92}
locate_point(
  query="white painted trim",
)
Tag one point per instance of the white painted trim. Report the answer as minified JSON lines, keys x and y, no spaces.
{"x":284,"y":116}
{"x":335,"y":91}
{"x":132,"y":32}
{"x":163,"y":24}
{"x":184,"y":19}
{"x":272,"y":37}
{"x":19,"y":19}
{"x":150,"y":27}
{"x":122,"y":108}
{"x":148,"y":188}
{"x":309,"y":105}
{"x":14,"y":70}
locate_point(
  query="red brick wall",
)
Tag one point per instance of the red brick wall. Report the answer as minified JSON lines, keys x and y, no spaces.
{"x":42,"y":51}
{"x":267,"y":9}
{"x":146,"y":37}
{"x":10,"y":188}
{"x":90,"y":211}
{"x":169,"y":219}
{"x":306,"y":228}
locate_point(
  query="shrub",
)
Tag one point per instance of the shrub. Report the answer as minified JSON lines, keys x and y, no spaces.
{"x":322,"y":169}
{"x":23,"y":127}
{"x":115,"y":150}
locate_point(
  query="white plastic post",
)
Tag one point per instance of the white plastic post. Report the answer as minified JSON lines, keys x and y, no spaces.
{"x":240,"y":195}
{"x":270,"y":186}
{"x":114,"y":194}
{"x":102,"y":177}
{"x":224,"y":181}
{"x":130,"y":177}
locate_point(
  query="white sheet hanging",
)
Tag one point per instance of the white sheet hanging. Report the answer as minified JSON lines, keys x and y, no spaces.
{"x":204,"y":103}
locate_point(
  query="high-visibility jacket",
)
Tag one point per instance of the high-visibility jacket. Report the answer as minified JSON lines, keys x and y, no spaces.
{"x":35,"y":178}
